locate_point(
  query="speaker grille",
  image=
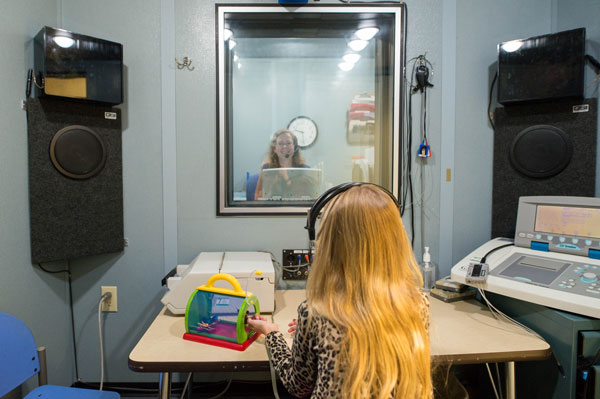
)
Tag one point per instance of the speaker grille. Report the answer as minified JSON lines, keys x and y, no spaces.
{"x":75,"y":179}
{"x":541,"y":151}
{"x":77,"y":152}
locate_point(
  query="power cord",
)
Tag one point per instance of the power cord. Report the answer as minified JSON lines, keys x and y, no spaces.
{"x":189,"y":377}
{"x":594,"y":62}
{"x":72,"y":320}
{"x":187,"y":382}
{"x":407,"y":166}
{"x":489,"y":110}
{"x":52,"y":271}
{"x":498,"y":313}
{"x":220,"y":394}
{"x":254,"y":272}
{"x":273,"y":375}
{"x":68,"y":271}
{"x":494,"y":250}
{"x":107,"y":296}
{"x":487,"y":365}
{"x":224,"y":389}
{"x":499,"y":382}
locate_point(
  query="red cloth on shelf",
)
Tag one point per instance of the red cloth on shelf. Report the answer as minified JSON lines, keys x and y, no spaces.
{"x":362,"y":107}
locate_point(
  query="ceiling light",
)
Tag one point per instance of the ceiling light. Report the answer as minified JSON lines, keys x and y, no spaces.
{"x":345,"y":66}
{"x":358,"y":45}
{"x":351,"y":58}
{"x":366,"y":33}
{"x":511,"y":46}
{"x":227,"y":33}
{"x":232,"y":44}
{"x":63,"y":41}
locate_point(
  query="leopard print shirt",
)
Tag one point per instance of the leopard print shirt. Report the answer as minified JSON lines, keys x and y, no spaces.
{"x":307,"y":369}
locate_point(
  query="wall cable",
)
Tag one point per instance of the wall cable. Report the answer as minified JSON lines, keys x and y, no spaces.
{"x":408,"y":188}
{"x":68,"y":271}
{"x":105,"y":297}
{"x":73,"y":321}
{"x":224,"y":389}
{"x":422,"y":168}
{"x":187,"y":382}
{"x":273,"y":375}
{"x":499,"y":381}
{"x":487,"y":365}
{"x":489,"y":109}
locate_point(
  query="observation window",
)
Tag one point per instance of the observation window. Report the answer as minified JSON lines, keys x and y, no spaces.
{"x":308,"y":98}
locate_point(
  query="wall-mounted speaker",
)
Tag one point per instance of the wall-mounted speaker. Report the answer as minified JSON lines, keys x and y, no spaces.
{"x":541,"y":149}
{"x":75,"y":179}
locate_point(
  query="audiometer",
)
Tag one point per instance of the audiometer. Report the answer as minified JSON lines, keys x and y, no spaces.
{"x":554,"y":259}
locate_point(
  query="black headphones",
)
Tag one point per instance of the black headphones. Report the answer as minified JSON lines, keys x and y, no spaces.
{"x":327,"y":196}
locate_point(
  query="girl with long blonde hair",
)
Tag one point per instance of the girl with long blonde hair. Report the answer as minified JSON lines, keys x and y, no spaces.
{"x":362,"y":332}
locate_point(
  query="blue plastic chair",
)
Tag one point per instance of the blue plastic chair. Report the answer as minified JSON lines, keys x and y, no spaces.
{"x":251,"y":187}
{"x":19,"y":361}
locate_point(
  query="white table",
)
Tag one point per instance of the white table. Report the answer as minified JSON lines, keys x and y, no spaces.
{"x":463,"y":332}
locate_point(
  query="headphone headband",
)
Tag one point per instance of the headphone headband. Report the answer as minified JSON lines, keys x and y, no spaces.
{"x":327,"y":196}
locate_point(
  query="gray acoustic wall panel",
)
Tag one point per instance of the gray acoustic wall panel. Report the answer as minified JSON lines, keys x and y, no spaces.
{"x":75,"y":179}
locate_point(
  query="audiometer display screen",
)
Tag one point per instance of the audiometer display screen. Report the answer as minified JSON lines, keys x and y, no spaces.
{"x":564,"y":220}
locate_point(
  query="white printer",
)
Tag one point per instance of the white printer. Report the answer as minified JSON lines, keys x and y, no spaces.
{"x":184,"y":279}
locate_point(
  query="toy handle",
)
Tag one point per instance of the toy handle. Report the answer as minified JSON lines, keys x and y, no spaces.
{"x":227,"y":277}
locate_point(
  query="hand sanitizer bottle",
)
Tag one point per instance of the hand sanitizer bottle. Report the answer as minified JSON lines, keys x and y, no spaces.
{"x":428,"y":271}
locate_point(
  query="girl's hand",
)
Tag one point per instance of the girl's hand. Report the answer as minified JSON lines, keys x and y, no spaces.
{"x":261,"y":325}
{"x":292,"y":327}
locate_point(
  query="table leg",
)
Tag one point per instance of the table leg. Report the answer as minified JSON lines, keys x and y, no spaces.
{"x":510,"y":380}
{"x":164,"y":385}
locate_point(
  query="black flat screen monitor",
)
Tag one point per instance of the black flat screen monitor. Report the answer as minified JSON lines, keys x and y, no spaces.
{"x":73,"y":65}
{"x":542,"y":68}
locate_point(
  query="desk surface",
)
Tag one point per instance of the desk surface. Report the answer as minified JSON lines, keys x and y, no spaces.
{"x":461,"y":332}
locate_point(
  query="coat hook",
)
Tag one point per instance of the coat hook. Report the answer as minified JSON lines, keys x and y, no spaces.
{"x":187,"y":63}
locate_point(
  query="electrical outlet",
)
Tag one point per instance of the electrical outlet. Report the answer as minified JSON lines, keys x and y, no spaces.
{"x":110,"y":304}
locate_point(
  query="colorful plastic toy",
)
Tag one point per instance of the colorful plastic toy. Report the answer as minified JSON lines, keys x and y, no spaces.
{"x":217,"y":316}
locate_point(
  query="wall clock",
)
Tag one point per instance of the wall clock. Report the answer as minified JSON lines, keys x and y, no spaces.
{"x":305,"y":130}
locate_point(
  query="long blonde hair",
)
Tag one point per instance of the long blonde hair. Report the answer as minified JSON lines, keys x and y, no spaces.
{"x":365,"y":279}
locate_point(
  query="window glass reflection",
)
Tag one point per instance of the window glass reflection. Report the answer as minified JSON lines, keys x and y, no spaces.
{"x":308,"y":104}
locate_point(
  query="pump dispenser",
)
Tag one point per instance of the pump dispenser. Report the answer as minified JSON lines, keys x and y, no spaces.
{"x":428,"y":271}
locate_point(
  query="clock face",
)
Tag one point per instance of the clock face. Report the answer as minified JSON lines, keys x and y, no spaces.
{"x":305,"y":130}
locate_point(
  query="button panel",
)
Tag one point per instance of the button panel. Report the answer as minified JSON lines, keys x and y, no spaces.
{"x":579,"y":278}
{"x":581,"y":246}
{"x":582,"y":276}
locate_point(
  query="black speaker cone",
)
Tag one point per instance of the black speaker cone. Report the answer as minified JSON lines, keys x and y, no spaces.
{"x":77,"y":152}
{"x":541,"y":151}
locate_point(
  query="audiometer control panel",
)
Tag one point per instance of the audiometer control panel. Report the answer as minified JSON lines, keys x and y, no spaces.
{"x":560,"y":243}
{"x":555,"y":259}
{"x":573,"y":276}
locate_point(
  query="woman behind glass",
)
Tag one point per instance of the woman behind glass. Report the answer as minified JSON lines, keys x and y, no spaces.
{"x":283,"y":153}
